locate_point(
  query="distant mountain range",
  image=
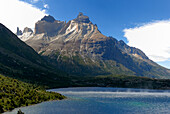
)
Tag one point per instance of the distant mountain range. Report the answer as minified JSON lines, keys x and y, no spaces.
{"x":79,"y":48}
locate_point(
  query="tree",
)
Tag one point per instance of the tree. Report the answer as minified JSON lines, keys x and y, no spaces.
{"x":1,"y":109}
{"x":20,"y":112}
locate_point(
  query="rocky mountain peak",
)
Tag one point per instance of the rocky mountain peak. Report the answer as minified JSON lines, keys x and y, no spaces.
{"x":19,"y":32}
{"x":48,"y":18}
{"x":49,"y":26}
{"x":26,"y":29}
{"x":122,"y":42}
{"x":81,"y":18}
{"x":80,"y":14}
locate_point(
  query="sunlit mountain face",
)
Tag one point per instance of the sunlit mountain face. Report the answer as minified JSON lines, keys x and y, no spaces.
{"x":79,"y":48}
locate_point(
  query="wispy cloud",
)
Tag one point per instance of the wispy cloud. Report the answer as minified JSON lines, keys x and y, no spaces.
{"x":16,"y":13}
{"x":46,"y":6}
{"x":153,"y":38}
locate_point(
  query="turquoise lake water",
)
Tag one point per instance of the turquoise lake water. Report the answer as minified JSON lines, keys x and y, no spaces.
{"x":97,"y":100}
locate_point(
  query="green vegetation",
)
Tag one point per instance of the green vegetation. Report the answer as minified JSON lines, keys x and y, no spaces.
{"x":121,"y":81}
{"x":76,"y":65}
{"x":14,"y":93}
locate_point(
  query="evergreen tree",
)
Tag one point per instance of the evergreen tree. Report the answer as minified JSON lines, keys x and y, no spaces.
{"x":1,"y":109}
{"x":20,"y":112}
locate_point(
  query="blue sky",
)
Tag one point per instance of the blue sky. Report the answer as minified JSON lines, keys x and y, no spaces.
{"x":143,"y":24}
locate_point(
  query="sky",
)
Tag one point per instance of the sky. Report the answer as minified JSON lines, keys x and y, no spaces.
{"x":144,"y":24}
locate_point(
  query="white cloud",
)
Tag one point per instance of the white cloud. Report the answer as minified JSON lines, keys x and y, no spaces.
{"x":46,"y":6}
{"x":16,"y":13}
{"x":152,"y":38}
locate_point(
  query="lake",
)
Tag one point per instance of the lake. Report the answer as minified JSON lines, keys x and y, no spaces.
{"x":99,"y":100}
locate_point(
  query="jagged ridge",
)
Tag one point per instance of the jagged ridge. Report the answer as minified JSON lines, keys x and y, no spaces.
{"x":78,"y":47}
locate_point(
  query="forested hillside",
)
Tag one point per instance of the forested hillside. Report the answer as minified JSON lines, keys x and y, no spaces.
{"x":14,"y":93}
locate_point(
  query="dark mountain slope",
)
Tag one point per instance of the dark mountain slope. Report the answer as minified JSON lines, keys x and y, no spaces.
{"x":20,"y":61}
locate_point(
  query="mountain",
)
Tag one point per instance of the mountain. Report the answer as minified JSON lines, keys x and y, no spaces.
{"x":19,"y":32}
{"x":27,"y":32}
{"x":79,"y":48}
{"x":18,"y":60}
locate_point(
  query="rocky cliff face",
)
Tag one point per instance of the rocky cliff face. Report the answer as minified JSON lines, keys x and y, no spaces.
{"x":130,"y":50}
{"x":79,"y":48}
{"x":26,"y":29}
{"x":26,"y":34}
{"x":49,"y":26}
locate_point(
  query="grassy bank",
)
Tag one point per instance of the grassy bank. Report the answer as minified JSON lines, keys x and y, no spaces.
{"x":14,"y":93}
